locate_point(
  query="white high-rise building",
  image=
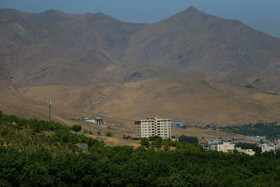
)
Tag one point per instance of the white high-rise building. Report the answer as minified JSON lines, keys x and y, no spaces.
{"x":153,"y":127}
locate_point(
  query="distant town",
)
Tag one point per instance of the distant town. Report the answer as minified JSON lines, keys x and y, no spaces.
{"x":161,"y":127}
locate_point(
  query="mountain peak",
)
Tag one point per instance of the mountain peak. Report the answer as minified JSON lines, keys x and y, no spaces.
{"x":192,"y":9}
{"x":97,"y":14}
{"x":51,"y":12}
{"x":101,"y":15}
{"x":190,"y":13}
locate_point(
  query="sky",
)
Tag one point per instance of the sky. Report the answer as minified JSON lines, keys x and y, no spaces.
{"x":262,"y":15}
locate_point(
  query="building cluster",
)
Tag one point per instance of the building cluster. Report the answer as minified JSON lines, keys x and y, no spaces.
{"x":268,"y":147}
{"x":264,"y":144}
{"x":227,"y":147}
{"x":155,"y":126}
{"x":219,"y":146}
{"x":161,"y":127}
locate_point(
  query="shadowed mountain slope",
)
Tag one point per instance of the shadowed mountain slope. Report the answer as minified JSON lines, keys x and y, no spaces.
{"x":57,"y":48}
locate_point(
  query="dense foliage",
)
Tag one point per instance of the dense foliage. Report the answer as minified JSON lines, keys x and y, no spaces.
{"x":76,"y":128}
{"x":185,"y":165}
{"x":188,"y":139}
{"x":31,"y":134}
{"x":145,"y":142}
{"x":246,"y":145}
{"x":271,"y":130}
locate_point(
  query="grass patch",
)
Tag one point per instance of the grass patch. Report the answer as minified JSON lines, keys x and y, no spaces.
{"x":207,"y":84}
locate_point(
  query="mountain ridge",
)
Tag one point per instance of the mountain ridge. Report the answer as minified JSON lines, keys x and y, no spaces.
{"x":207,"y":35}
{"x":92,"y":42}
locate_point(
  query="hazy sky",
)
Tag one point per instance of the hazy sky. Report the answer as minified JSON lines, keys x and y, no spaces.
{"x":263,"y":15}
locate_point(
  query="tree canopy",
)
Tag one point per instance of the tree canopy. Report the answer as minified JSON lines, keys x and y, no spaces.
{"x":31,"y":157}
{"x":76,"y":128}
{"x":271,"y":130}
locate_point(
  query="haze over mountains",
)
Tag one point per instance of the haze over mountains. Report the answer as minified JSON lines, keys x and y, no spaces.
{"x":53,"y":48}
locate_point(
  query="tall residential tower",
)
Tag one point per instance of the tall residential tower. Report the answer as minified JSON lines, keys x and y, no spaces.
{"x":153,"y":127}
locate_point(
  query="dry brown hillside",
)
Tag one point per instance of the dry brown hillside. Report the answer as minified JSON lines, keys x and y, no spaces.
{"x":181,"y":99}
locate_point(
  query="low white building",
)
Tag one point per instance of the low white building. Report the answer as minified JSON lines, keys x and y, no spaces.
{"x":220,"y":146}
{"x":246,"y":151}
{"x":267,"y":148}
{"x":90,"y":120}
{"x":225,"y":147}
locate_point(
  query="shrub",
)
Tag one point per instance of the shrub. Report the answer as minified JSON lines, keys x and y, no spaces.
{"x":110,"y":134}
{"x":76,"y":128}
{"x":145,"y":142}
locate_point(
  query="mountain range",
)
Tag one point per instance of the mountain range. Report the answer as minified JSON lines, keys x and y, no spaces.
{"x":191,"y":48}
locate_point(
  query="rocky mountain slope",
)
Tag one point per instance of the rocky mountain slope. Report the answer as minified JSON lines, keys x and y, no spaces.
{"x":194,"y":41}
{"x":57,"y":48}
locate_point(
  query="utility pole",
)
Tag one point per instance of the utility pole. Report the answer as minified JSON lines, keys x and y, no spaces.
{"x":50,"y":110}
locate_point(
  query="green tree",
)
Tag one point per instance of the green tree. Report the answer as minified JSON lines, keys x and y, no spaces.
{"x":188,"y":139}
{"x":166,"y":147}
{"x":145,"y":142}
{"x":157,"y":142}
{"x":34,"y":174}
{"x":76,"y":128}
{"x":246,"y":145}
{"x":5,"y":183}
